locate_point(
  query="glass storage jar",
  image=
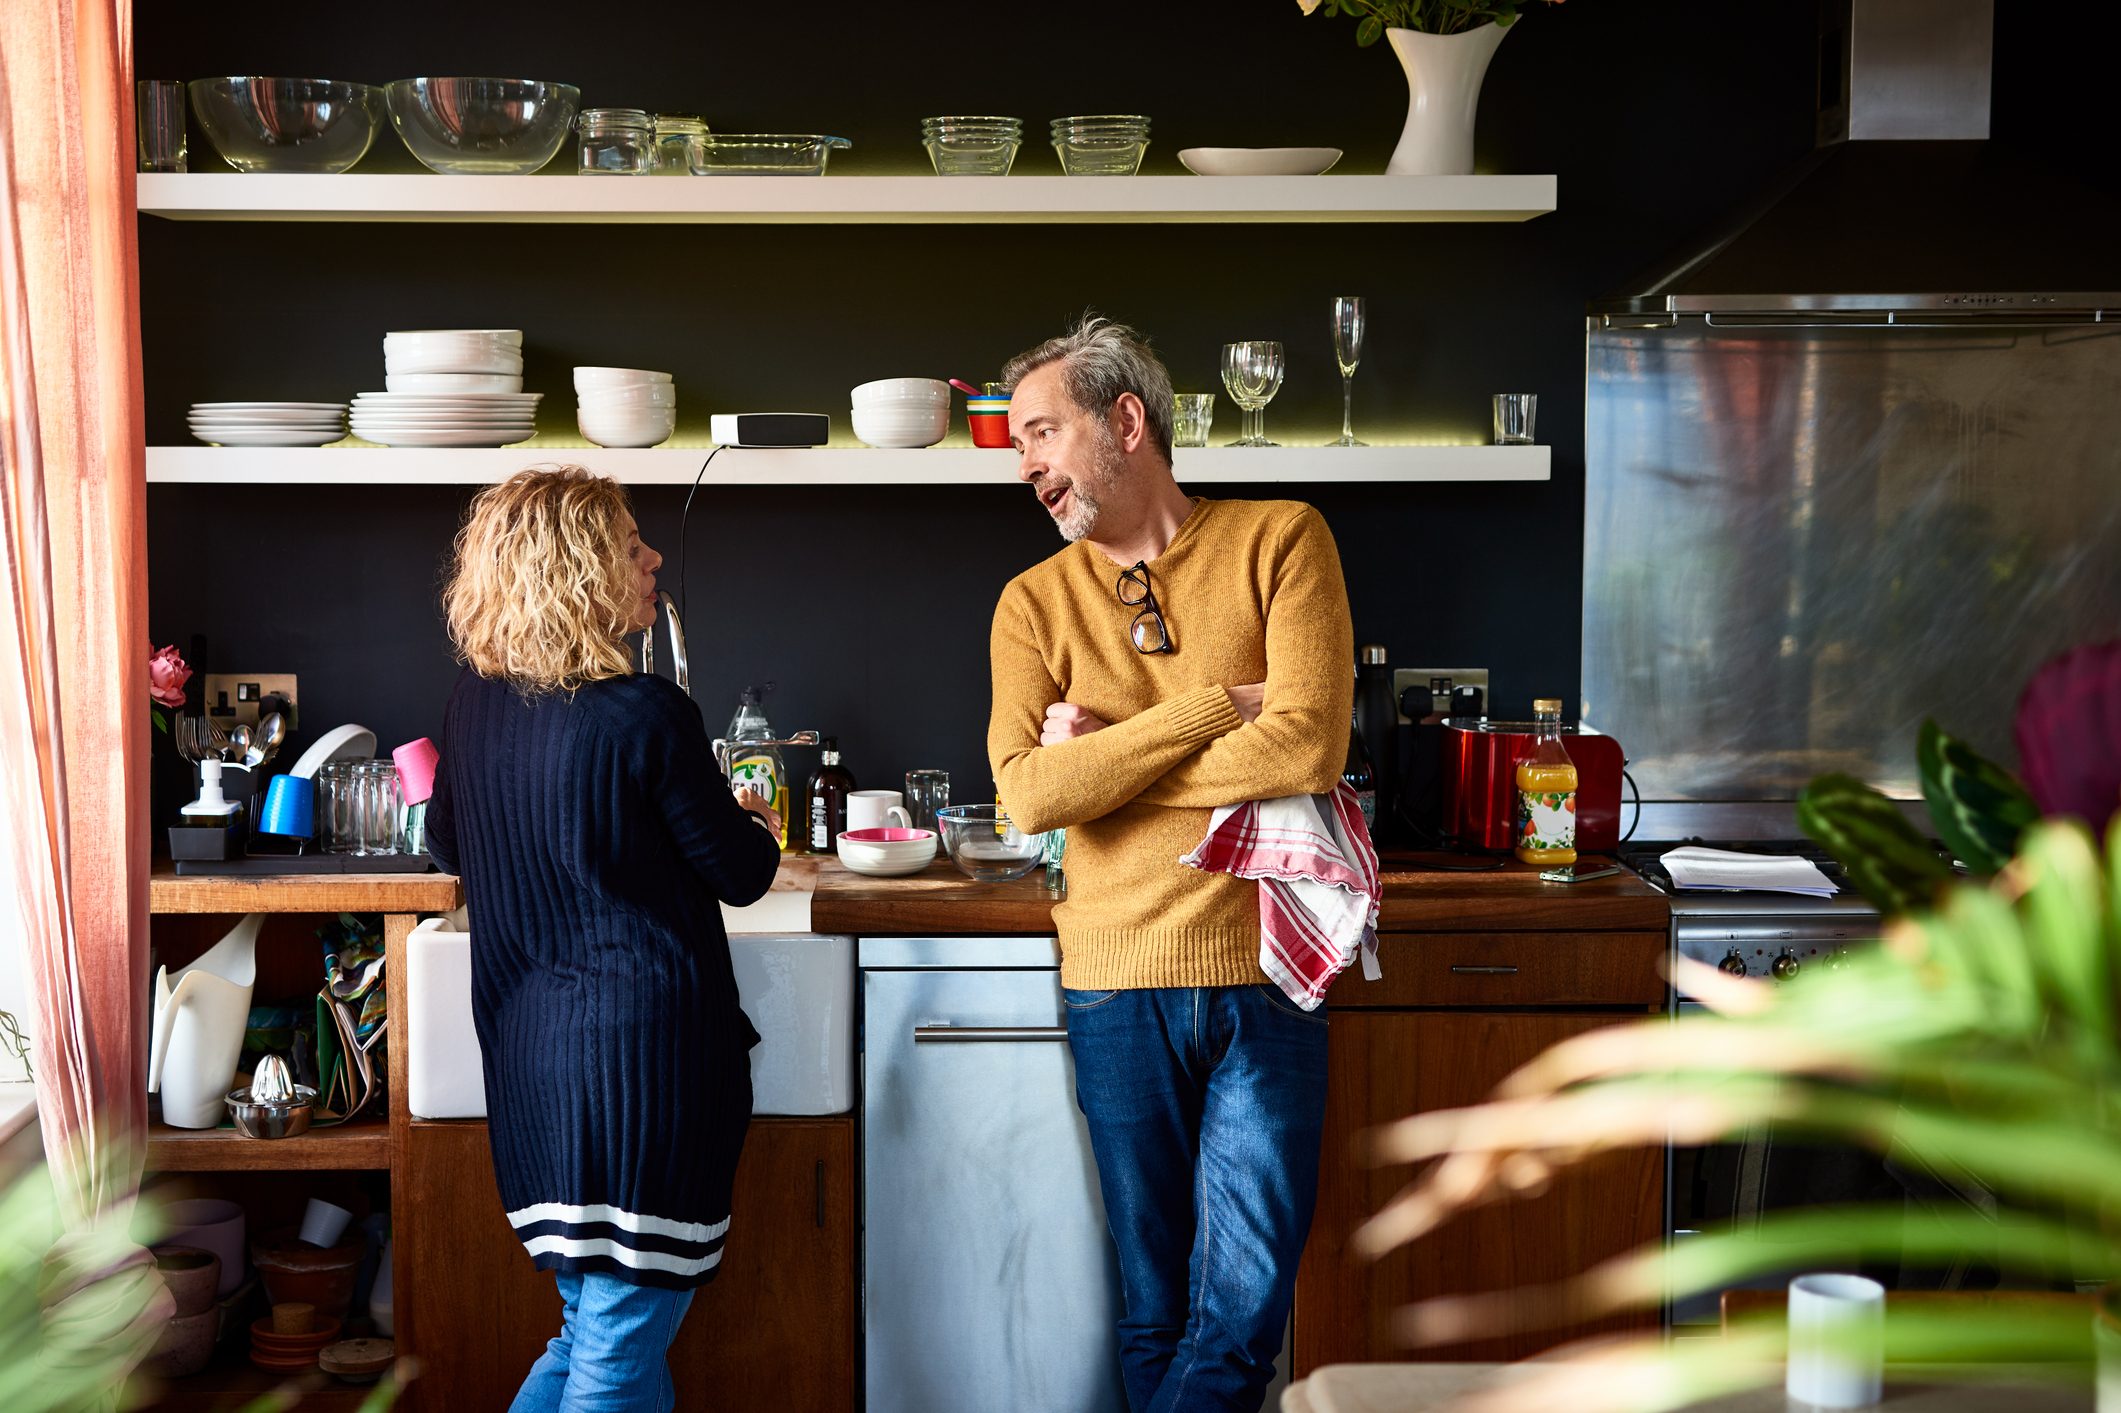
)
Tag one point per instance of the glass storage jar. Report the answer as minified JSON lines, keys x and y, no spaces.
{"x":680,"y":144}
{"x":617,"y":141}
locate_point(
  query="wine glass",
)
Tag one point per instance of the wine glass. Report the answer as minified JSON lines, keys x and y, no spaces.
{"x":1349,"y":319}
{"x":1252,"y":372}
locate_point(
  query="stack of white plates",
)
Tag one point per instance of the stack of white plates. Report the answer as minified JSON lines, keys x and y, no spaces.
{"x":268,"y":423}
{"x":445,"y":419}
{"x":453,"y":361}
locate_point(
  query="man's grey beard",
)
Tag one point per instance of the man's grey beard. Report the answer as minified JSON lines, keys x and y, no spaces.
{"x":1081,"y":519}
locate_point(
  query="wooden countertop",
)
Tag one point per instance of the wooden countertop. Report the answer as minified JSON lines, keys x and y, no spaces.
{"x":1510,"y":898}
{"x":1420,"y":1388}
{"x":301,"y":892}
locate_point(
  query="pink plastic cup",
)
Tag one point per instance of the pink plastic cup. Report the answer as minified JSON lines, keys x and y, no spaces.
{"x":416,"y":762}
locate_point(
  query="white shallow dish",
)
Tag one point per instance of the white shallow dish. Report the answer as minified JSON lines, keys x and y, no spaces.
{"x":453,"y":382}
{"x":433,"y":437}
{"x":348,"y":742}
{"x":276,"y":436}
{"x":448,"y":399}
{"x":268,"y":407}
{"x":1258,"y":161}
{"x":268,"y":419}
{"x":895,"y":859}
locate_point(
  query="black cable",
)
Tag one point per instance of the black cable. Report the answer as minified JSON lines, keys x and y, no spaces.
{"x":684,"y":519}
{"x":1637,"y":789}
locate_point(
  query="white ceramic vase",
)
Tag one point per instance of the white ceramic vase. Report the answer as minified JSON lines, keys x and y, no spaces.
{"x":1443,"y":95}
{"x":200,"y":1014}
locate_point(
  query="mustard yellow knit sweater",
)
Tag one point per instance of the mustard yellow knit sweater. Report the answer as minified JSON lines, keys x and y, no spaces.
{"x":1250,"y":591}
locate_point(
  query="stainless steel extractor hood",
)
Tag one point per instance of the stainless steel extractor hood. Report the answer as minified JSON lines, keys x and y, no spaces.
{"x":1906,"y":211}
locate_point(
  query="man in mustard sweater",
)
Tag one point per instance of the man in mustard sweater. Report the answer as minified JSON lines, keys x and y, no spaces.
{"x":1178,"y":655}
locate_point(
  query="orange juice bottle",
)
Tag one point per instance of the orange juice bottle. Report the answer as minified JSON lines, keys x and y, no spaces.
{"x":1546,"y":793}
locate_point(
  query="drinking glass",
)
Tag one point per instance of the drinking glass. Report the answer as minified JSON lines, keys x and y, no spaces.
{"x":337,"y":830}
{"x":1191,"y":416}
{"x":1513,"y":418}
{"x":927,"y":791}
{"x":1252,"y":372}
{"x":158,"y":116}
{"x":376,"y":801}
{"x":1349,"y":320}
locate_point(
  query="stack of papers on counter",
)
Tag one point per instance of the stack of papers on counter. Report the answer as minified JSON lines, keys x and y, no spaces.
{"x":1721,"y":869}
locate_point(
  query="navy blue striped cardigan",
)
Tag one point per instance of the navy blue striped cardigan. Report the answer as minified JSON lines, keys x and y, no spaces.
{"x":596,"y":840}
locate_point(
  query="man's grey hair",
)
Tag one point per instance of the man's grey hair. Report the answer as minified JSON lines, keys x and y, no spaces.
{"x":1100,"y":360}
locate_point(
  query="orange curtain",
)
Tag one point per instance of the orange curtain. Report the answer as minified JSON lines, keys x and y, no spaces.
{"x":74,"y":725}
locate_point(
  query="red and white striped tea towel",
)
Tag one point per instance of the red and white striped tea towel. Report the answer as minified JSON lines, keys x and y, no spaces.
{"x":1318,"y":888}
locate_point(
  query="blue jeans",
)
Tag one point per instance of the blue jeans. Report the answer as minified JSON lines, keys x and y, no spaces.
{"x":611,"y":1354}
{"x":1205,"y":1108}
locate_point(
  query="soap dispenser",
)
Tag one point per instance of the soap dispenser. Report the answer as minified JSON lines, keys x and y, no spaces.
{"x":753,"y":764}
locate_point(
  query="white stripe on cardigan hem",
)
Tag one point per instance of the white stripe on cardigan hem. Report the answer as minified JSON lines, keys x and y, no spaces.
{"x":623,"y":1254}
{"x":618,"y":1217}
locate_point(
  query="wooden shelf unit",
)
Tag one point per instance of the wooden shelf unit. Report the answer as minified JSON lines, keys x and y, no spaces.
{"x":363,"y":1143}
{"x":821,"y":466}
{"x":563,"y":196}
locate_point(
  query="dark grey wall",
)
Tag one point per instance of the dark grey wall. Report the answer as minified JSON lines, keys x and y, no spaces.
{"x":870,"y":607}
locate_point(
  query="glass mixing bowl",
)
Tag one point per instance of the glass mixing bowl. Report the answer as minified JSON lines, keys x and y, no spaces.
{"x":287,"y":124}
{"x":484,"y":126}
{"x":986,"y":845}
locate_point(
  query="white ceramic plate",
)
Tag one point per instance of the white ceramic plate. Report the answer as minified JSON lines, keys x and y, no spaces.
{"x":268,"y":407}
{"x":453,"y":382}
{"x":1258,"y":161}
{"x":271,"y":419}
{"x":277,"y":436}
{"x":348,"y":742}
{"x":433,"y":437}
{"x":444,"y":399}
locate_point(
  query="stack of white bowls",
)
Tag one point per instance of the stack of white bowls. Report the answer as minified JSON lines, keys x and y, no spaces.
{"x":625,"y":406}
{"x":268,"y":423}
{"x":449,"y":387}
{"x":902,"y":412}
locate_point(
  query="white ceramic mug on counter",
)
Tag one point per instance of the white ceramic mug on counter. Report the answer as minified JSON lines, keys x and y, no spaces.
{"x":877,"y":809}
{"x":1837,"y":1341}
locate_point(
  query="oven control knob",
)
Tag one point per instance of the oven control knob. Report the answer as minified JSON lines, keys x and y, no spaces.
{"x":1732,"y":964}
{"x":1786,"y":966}
{"x":1837,"y":959}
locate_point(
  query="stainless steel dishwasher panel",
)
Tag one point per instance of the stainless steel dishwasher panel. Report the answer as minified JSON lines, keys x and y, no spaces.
{"x":989,"y":1280}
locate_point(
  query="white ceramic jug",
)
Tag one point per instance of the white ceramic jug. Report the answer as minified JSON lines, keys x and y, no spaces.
{"x":199,"y":1024}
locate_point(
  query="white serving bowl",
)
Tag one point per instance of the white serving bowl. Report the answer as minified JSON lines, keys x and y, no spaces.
{"x":408,"y":337}
{"x":924,"y":390}
{"x":1258,"y":161}
{"x":640,"y":395}
{"x":899,"y":430}
{"x":496,"y":360}
{"x":586,"y":379}
{"x":635,"y":428}
{"x":886,"y":853}
{"x":453,"y":382}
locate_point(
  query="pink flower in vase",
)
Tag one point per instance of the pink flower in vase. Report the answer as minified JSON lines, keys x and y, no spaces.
{"x":167,"y":672}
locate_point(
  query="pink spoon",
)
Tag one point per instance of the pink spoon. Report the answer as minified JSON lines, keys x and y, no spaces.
{"x":964,"y":387}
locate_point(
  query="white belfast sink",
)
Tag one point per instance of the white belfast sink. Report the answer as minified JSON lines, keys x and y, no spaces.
{"x":797,"y":987}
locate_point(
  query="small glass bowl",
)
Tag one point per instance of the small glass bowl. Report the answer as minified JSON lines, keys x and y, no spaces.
{"x":986,"y":846}
{"x":1101,"y":146}
{"x":972,"y":147}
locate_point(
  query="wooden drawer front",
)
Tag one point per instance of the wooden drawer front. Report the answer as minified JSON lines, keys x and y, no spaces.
{"x":1514,"y":969}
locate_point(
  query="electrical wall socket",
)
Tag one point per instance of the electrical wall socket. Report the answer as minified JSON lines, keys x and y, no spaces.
{"x":232,"y":697}
{"x":1440,"y":681}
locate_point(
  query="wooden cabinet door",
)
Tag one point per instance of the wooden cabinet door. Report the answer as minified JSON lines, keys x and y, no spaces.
{"x":1388,"y":1064}
{"x":776,"y":1329}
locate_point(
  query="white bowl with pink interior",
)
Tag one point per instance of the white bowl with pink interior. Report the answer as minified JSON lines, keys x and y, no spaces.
{"x":887,"y":853}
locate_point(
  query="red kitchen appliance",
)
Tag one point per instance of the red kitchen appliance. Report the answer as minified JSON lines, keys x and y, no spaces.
{"x":1480,"y":783}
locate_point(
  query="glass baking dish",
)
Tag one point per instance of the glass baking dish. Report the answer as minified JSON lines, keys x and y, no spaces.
{"x":766,"y":154}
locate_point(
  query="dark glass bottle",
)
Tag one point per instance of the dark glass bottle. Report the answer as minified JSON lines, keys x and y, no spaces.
{"x":1358,"y":775}
{"x":830,"y":784}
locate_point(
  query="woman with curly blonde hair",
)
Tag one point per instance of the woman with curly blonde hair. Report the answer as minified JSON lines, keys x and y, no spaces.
{"x":581,"y":805}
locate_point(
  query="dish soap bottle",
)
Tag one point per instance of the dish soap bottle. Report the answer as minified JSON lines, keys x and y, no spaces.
{"x":830,"y":785}
{"x":757,"y":767}
{"x":1546,"y":792}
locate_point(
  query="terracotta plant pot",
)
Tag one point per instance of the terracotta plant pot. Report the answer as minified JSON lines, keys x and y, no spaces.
{"x":192,"y":1275}
{"x":186,"y":1344}
{"x":295,"y":1271}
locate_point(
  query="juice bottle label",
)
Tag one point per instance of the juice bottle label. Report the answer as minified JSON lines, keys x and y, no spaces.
{"x":759,"y":775}
{"x":1546,"y":819}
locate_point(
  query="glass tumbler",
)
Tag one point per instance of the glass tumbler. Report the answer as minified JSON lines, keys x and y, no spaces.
{"x":377,"y":801}
{"x":337,"y":832}
{"x":158,"y":113}
{"x":927,"y":791}
{"x":1192,"y":414}
{"x":1513,"y":418}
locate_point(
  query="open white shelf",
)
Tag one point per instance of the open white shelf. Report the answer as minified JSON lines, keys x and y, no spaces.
{"x":565,"y":196}
{"x":820,"y":466}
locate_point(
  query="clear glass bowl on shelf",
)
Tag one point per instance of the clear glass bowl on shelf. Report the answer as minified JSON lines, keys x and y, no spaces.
{"x":766,"y":154}
{"x":972,"y":147}
{"x":287,"y":124}
{"x":1104,"y":145}
{"x":483,"y":126}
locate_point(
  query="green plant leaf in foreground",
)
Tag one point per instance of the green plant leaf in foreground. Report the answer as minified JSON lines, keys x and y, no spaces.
{"x":1890,"y":864}
{"x":1979,"y":808}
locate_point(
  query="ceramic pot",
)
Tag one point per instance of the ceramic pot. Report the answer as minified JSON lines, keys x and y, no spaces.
{"x":200,"y":1013}
{"x":210,"y":1224}
{"x":292,"y":1270}
{"x":193,"y":1276}
{"x":1443,"y":95}
{"x":186,"y":1344}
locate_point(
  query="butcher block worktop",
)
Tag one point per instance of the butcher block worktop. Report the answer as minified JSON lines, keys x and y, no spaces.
{"x":1511,"y":898}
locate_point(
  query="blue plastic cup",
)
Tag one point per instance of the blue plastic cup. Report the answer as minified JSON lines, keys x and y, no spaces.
{"x":290,"y":807}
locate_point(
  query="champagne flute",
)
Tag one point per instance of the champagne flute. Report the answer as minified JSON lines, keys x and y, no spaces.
{"x":1252,"y":373}
{"x":1350,"y":317}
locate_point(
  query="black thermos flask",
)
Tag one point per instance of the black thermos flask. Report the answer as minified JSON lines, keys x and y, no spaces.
{"x":1376,"y":721}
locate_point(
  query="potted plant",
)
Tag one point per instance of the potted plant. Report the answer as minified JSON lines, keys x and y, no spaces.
{"x":1982,"y":1038}
{"x":1444,"y":47}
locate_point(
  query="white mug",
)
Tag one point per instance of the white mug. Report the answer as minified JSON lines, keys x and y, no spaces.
{"x":1837,"y":1341}
{"x":877,"y":809}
